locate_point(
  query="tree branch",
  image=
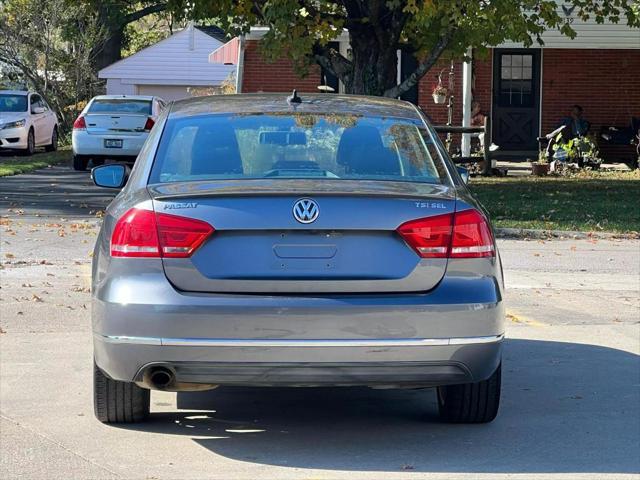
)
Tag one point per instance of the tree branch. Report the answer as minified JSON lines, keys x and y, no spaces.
{"x":133,"y":16}
{"x":333,"y":61}
{"x":422,"y":68}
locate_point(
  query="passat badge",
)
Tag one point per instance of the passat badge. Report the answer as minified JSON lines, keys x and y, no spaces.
{"x":179,"y":205}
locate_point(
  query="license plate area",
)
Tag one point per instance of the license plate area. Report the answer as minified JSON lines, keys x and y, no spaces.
{"x":112,"y":143}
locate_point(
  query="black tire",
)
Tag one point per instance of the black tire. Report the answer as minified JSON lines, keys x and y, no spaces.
{"x":80,"y":163}
{"x":471,"y":402}
{"x":53,"y":146}
{"x":118,"y":402}
{"x":31,"y":144}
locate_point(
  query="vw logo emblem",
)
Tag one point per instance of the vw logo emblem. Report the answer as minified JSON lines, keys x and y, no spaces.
{"x":305,"y":210}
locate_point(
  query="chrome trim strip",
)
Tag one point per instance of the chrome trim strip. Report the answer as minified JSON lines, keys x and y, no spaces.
{"x":134,"y":340}
{"x":228,"y":342}
{"x":474,"y":340}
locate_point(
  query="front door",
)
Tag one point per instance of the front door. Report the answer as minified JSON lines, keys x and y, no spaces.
{"x":516,"y":98}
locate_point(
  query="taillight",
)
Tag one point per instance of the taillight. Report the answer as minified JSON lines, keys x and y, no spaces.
{"x":143,"y":233}
{"x":463,"y":234}
{"x":429,"y":237}
{"x":149,"y":124}
{"x":79,"y":124}
{"x":180,"y":236}
{"x":471,"y":236}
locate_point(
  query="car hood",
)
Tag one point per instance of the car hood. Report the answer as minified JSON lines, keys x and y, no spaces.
{"x":6,"y":117}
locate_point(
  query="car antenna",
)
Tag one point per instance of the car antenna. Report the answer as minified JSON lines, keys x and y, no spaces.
{"x":294,"y":97}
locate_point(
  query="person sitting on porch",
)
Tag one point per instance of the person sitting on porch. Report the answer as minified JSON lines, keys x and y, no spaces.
{"x":477,"y":120}
{"x":576,"y":125}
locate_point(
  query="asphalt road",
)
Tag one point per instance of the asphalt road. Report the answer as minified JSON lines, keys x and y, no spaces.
{"x":571,"y":398}
{"x":55,"y":191}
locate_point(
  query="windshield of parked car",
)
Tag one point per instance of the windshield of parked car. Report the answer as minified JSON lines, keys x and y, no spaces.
{"x":13,"y":103}
{"x":109,"y":105}
{"x":333,"y":146}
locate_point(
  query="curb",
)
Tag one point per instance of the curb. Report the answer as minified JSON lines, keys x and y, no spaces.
{"x":526,"y":233}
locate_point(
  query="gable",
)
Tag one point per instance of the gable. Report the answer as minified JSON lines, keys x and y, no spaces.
{"x":182,"y":57}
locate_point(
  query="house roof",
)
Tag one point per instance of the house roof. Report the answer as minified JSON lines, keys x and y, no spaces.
{"x":181,"y":59}
{"x":213,"y":31}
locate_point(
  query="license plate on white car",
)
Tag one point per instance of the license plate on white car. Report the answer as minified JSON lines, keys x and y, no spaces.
{"x":112,"y":143}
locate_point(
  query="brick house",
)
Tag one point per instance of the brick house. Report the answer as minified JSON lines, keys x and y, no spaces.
{"x":527,"y":91}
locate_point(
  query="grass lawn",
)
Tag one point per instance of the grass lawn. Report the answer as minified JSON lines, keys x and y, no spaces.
{"x":590,"y":201}
{"x":13,"y":165}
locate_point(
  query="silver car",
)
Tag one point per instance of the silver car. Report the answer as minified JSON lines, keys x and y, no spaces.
{"x":321,"y":240}
{"x":113,"y":127}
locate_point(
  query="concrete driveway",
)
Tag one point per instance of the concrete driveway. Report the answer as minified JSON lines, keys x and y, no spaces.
{"x":571,"y":398}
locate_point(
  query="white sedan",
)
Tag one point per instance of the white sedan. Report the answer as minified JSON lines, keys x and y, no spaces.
{"x":113,"y":127}
{"x":26,"y":122}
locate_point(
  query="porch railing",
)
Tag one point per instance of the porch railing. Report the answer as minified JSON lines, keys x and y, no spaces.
{"x":486,"y":152}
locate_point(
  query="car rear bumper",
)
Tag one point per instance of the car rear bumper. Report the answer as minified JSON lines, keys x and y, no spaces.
{"x":315,"y":364}
{"x":452,"y":334}
{"x":93,"y":144}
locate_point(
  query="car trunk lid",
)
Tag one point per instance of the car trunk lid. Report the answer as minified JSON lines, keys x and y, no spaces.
{"x":122,"y":116}
{"x":259,"y":247}
{"x":115,"y":123}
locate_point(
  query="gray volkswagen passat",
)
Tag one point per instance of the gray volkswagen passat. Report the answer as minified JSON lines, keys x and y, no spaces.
{"x":263,"y":240}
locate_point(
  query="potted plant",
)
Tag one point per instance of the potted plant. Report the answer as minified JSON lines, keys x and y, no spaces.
{"x":540,"y":167}
{"x":439,"y":94}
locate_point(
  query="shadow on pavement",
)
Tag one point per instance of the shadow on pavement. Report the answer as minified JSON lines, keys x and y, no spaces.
{"x":566,"y":408}
{"x":55,"y":191}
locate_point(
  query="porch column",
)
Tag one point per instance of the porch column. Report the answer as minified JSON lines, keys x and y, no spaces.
{"x":466,"y":103}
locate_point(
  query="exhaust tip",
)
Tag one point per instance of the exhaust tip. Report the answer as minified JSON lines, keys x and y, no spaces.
{"x":160,"y":377}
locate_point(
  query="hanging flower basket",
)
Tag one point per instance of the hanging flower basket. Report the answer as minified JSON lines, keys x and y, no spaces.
{"x":439,"y":98}
{"x":439,"y":92}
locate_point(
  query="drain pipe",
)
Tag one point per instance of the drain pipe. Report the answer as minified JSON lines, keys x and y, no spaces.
{"x":240,"y":66}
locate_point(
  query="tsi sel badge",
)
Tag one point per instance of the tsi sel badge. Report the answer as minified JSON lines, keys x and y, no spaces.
{"x":305,"y":210}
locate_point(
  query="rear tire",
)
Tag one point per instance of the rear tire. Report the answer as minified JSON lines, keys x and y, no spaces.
{"x":80,"y":163}
{"x":53,"y":146}
{"x":118,"y":402}
{"x":471,"y":402}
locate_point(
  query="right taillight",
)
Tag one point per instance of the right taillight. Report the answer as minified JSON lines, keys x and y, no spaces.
{"x":463,"y":234}
{"x":143,"y":233}
{"x":148,"y":125}
{"x":79,"y":124}
{"x":472,"y":236}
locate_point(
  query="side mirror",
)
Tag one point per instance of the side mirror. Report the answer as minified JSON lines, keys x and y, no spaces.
{"x":464,"y":173}
{"x":38,"y":110}
{"x":114,"y":175}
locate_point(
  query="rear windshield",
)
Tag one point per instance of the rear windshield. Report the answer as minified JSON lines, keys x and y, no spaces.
{"x":296,"y":146}
{"x":13,"y":103}
{"x":103,"y":105}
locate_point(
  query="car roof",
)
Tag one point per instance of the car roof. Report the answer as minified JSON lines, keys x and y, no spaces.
{"x":15,"y":92}
{"x":120,"y":97}
{"x":319,"y":103}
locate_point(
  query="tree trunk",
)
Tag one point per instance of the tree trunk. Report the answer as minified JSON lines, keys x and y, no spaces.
{"x":109,"y":51}
{"x":374,"y":64}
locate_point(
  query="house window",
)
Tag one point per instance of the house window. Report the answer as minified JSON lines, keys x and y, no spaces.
{"x":516,"y":80}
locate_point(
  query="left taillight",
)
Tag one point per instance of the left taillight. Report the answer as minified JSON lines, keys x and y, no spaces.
{"x":80,"y":124}
{"x":143,"y":233}
{"x":148,"y":125}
